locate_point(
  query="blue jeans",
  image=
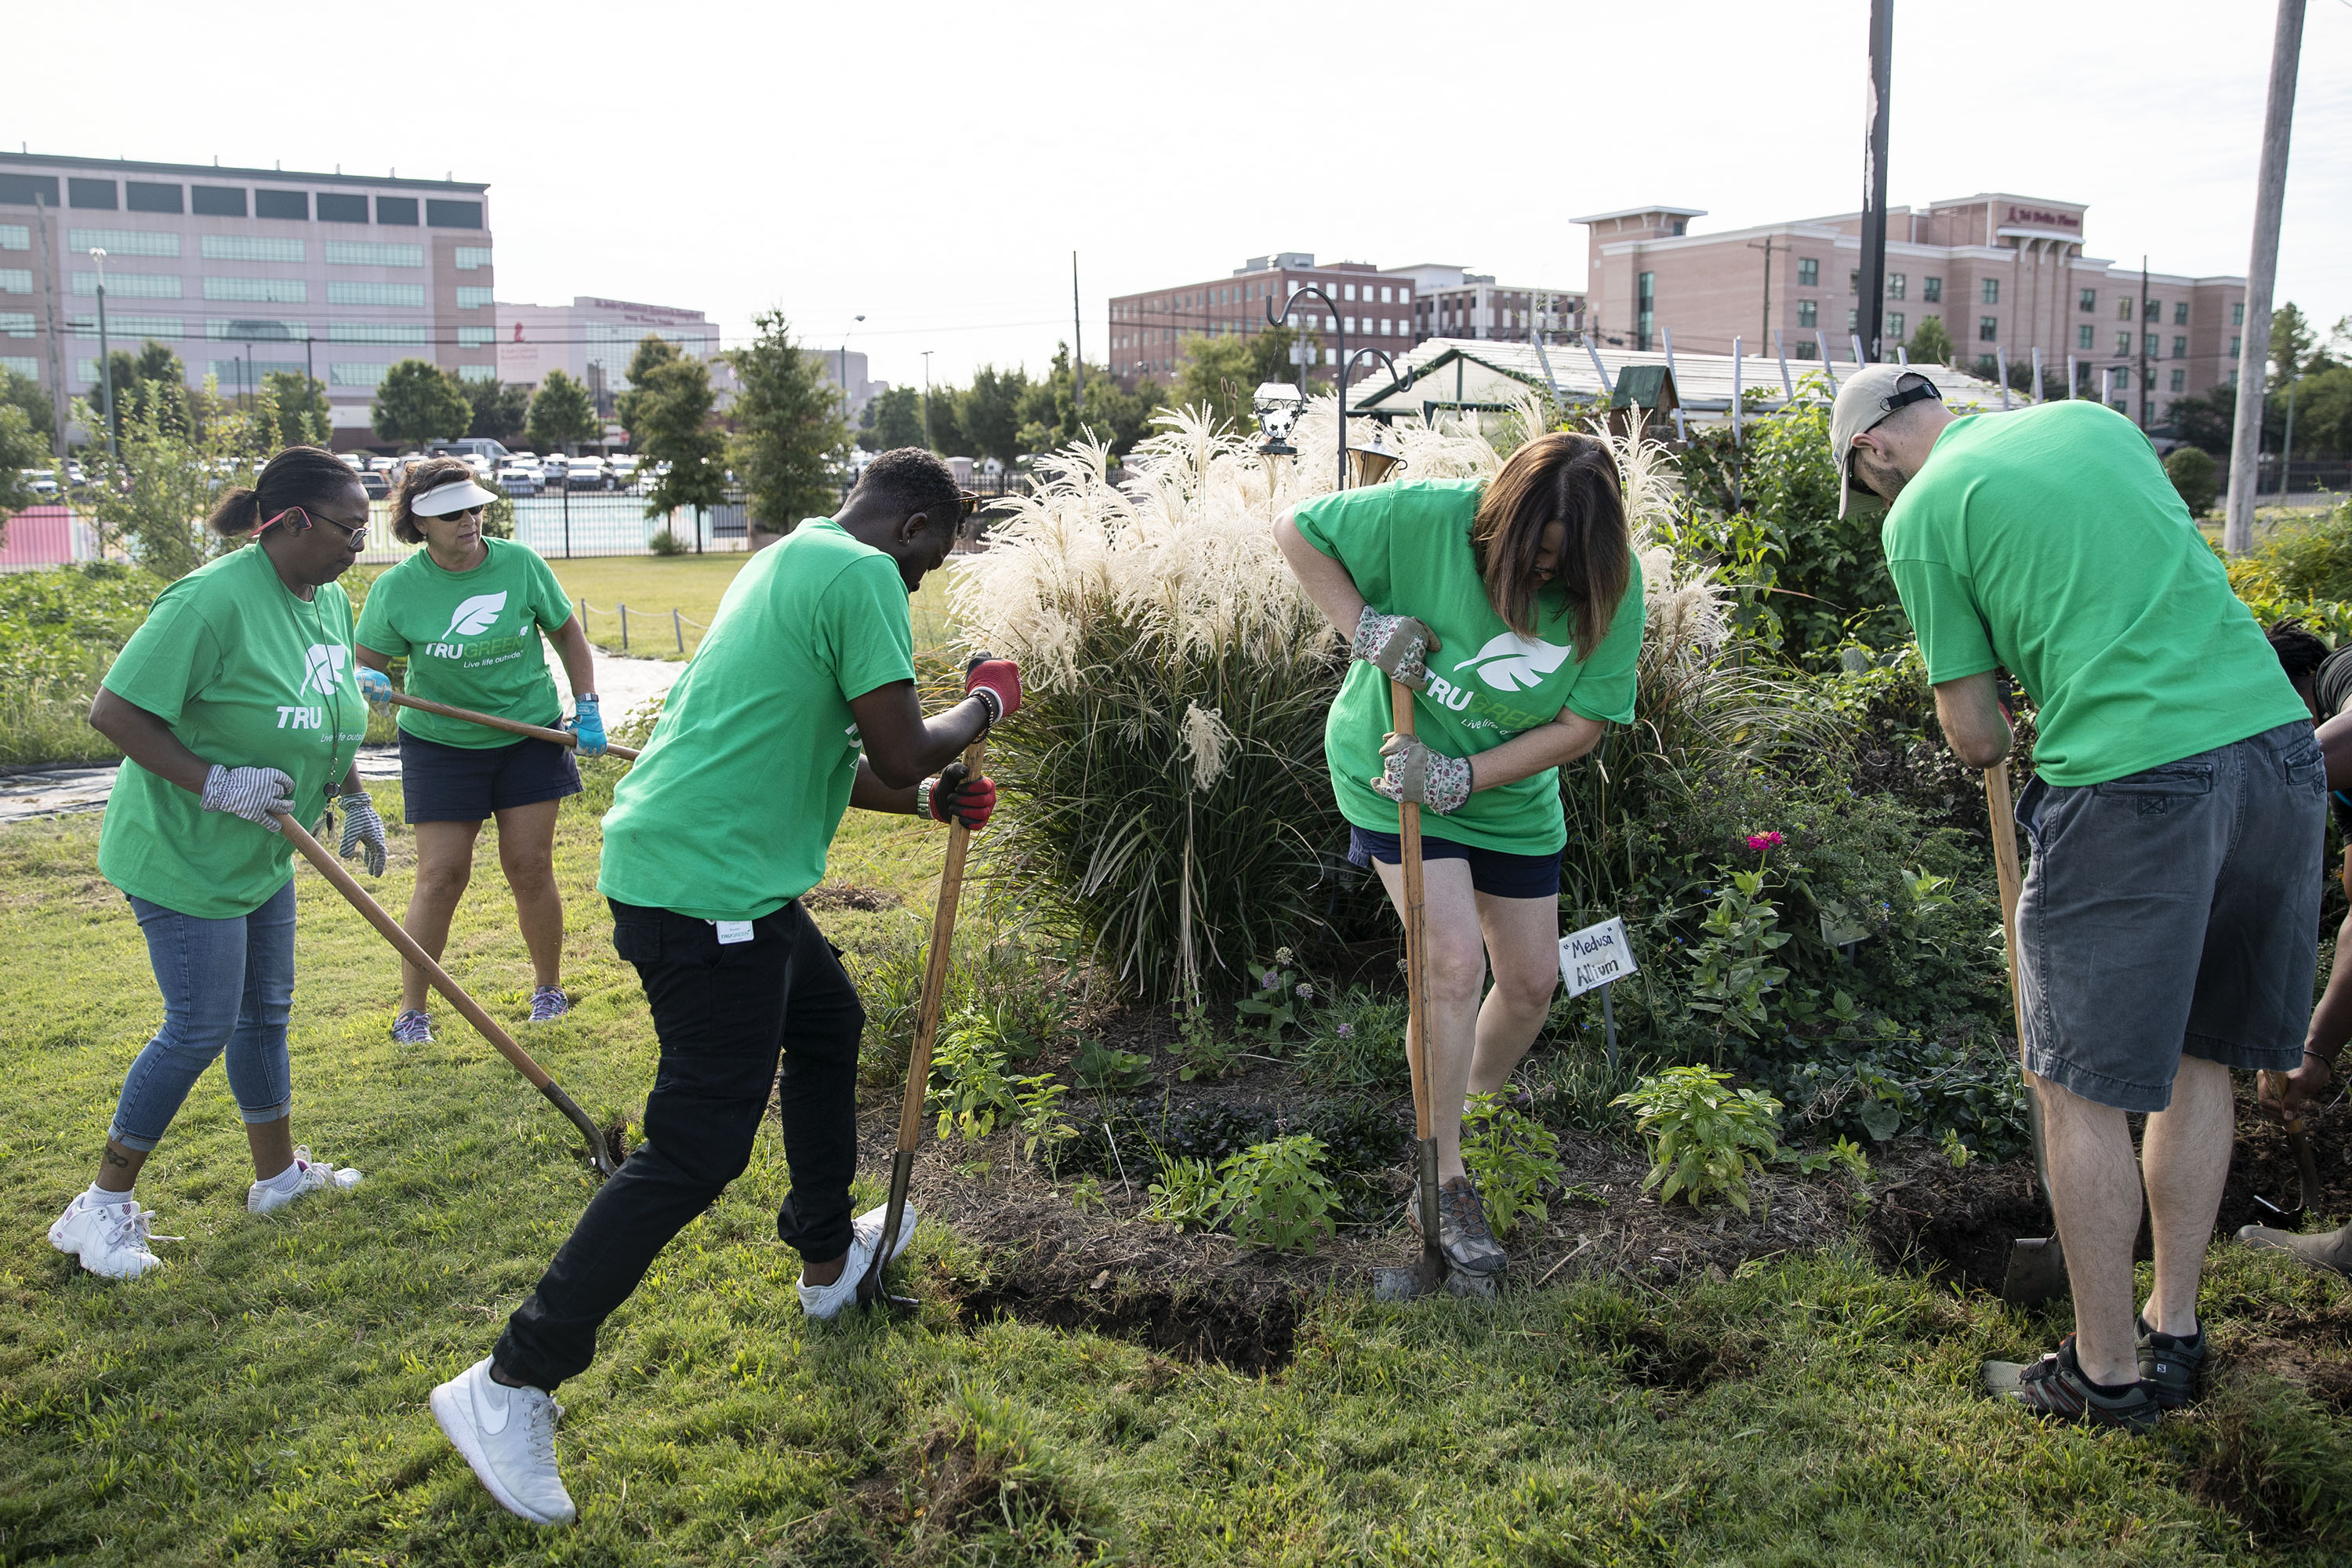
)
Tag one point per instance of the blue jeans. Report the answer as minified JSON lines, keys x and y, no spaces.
{"x":229,"y":986}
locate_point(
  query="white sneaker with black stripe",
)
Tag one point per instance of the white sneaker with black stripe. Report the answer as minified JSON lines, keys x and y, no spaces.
{"x":829,"y":1301}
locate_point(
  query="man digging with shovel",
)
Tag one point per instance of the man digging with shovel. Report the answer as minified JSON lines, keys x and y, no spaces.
{"x":718,"y":828}
{"x":2165,"y":930}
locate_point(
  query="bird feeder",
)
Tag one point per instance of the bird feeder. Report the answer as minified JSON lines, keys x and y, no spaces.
{"x":1277,"y":407}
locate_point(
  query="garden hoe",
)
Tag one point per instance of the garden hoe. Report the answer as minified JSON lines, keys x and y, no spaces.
{"x":2037,"y":1264}
{"x":333,"y":869}
{"x":512,"y":726}
{"x":1432,"y":1273}
{"x":870,"y":1292}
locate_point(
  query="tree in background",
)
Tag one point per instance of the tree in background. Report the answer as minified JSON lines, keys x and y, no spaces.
{"x":151,"y":378}
{"x":154,"y":501}
{"x":21,"y":448}
{"x":893,"y":419}
{"x":563,"y":414}
{"x":1222,"y":374}
{"x":417,"y":401}
{"x":1929,"y":344}
{"x":2193,"y":473}
{"x":21,"y":391}
{"x":501,"y":410}
{"x":790,"y":438}
{"x":1051,"y":415}
{"x":2293,"y":344}
{"x":989,"y":411}
{"x":301,"y":405}
{"x":667,"y":413}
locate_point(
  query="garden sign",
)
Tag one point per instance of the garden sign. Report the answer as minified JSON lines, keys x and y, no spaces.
{"x":1594,"y":958}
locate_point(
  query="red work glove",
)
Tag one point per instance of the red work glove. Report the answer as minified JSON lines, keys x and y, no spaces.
{"x":957,"y":797}
{"x":997,"y":682}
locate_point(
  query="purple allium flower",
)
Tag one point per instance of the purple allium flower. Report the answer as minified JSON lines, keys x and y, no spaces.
{"x":1268,"y":981}
{"x":1304,"y":992}
{"x":1346,"y":1029}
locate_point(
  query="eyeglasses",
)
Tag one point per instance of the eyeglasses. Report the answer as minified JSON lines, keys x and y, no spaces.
{"x":351,"y":536}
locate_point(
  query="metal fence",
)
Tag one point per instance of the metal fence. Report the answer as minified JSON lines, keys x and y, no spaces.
{"x":570,"y":523}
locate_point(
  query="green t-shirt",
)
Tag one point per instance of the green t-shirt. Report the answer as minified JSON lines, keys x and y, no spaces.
{"x":246,"y":675}
{"x":2050,"y":542}
{"x":1407,"y":548}
{"x":472,"y":639}
{"x":728,"y":813}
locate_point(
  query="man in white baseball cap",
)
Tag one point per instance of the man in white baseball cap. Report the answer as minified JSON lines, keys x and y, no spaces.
{"x":2165,"y":935}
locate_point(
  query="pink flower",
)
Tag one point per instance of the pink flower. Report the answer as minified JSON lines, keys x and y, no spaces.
{"x":1760,"y":841}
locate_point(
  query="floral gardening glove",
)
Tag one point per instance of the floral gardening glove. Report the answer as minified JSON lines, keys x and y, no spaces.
{"x":1396,"y":646}
{"x":362,"y":831}
{"x":1411,"y":772}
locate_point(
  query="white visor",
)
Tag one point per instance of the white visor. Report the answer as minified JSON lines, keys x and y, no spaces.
{"x":457,"y":495}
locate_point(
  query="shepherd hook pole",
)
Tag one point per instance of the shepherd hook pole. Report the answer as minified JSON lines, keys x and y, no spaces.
{"x":2262,"y":276}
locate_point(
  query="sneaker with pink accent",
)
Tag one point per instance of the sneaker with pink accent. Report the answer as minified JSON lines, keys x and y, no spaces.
{"x":308,"y":1175}
{"x":110,"y":1239}
{"x":548,"y":1002}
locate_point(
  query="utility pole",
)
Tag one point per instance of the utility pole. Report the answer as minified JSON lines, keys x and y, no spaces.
{"x":105,"y":358}
{"x":2262,"y":276}
{"x":59,"y":402}
{"x":927,"y":399}
{"x":1078,"y":342}
{"x":1873,"y":287}
{"x":2143,"y":398}
{"x":1765,"y":335}
{"x":2286,"y":446}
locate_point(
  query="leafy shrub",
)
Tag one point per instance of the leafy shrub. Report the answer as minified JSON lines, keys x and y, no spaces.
{"x":1355,"y":1041}
{"x":995,"y":973}
{"x":1512,"y":1157}
{"x":667,"y":543}
{"x":1200,"y":1048}
{"x":1733,"y":969}
{"x":2301,"y":568}
{"x":1107,"y":1070}
{"x":1705,"y":1138}
{"x":970,"y":1090}
{"x":1043,"y":1130}
{"x":1280,"y":997}
{"x":1189,"y":1194}
{"x":1275,"y":1195}
{"x":2194,"y":475}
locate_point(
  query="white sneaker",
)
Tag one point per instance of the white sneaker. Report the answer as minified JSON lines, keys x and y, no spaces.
{"x":262,"y":1198}
{"x":507,"y":1435}
{"x":111,"y":1239}
{"x":828,"y":1301}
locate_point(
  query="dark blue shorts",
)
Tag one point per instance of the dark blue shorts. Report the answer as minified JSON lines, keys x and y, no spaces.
{"x":1493,"y":872}
{"x":466,"y":784}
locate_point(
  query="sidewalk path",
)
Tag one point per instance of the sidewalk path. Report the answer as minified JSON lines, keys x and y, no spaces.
{"x":625,"y":684}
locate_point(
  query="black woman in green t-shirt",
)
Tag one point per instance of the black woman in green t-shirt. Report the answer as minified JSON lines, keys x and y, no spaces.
{"x":1528,"y":585}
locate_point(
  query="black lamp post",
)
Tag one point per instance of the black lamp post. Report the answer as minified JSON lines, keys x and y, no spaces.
{"x":1346,"y":361}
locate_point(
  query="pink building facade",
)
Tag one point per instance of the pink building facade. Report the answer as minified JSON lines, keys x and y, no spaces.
{"x":242,"y":272}
{"x":2005,"y":275}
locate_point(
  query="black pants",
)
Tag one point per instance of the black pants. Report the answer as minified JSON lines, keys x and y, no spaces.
{"x":724,"y":1013}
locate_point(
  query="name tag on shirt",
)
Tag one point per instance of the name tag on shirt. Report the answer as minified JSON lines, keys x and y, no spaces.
{"x":732,"y":932}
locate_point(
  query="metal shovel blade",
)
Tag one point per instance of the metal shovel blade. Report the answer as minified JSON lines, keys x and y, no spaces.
{"x":2037,"y":1271}
{"x":871,"y":1293}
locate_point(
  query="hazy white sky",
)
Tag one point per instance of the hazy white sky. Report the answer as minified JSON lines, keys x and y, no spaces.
{"x":932,"y":166}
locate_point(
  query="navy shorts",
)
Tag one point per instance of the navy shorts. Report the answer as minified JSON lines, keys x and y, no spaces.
{"x":469,"y":783}
{"x":2169,"y":912}
{"x":1494,"y":872}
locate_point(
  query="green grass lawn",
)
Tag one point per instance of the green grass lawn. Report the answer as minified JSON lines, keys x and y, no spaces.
{"x":653,"y":586}
{"x":263,"y":1400}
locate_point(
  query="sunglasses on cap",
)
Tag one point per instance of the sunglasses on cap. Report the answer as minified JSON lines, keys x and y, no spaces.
{"x":1924,"y":393}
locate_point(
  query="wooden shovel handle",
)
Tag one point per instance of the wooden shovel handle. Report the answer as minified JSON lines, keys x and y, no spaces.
{"x":1998,"y":806}
{"x":1416,"y":935}
{"x":512,"y":726}
{"x":935,"y":969}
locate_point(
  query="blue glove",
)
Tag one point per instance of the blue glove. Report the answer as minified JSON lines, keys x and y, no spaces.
{"x":376,"y":687}
{"x":587,"y":721}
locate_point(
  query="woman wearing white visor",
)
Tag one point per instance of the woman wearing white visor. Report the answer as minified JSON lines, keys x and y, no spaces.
{"x":466,"y":611}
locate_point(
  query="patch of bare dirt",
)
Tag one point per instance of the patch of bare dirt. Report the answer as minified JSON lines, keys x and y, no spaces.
{"x":850,"y":896}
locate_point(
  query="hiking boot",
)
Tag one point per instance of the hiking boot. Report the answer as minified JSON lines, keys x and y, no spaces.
{"x":304,"y":1175}
{"x":110,"y":1239}
{"x":2172,"y":1368}
{"x":2055,"y":1388}
{"x":1462,"y":1232}
{"x":507,"y":1435}
{"x":828,"y":1301}
{"x":412,"y":1028}
{"x":2331,"y":1251}
{"x":548,"y":1002}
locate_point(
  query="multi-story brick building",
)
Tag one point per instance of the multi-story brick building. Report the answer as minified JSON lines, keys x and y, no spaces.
{"x":1391,"y":308}
{"x":242,"y":272}
{"x":2000,"y":272}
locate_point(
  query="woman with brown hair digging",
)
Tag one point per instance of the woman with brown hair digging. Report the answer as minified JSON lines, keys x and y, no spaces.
{"x":466,"y":611}
{"x":1529,"y":584}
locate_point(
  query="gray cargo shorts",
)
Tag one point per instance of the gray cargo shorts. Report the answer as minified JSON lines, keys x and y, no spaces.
{"x":2173,"y":910}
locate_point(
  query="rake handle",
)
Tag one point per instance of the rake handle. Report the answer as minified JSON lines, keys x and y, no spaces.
{"x":334,"y":871}
{"x":512,"y":726}
{"x":1416,"y":936}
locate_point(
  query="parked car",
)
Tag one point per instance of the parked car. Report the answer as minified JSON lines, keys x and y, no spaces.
{"x":517,"y":480}
{"x":552,"y":470}
{"x":587,"y":474}
{"x":625,"y":469}
{"x":43,"y":481}
{"x":373,"y":484}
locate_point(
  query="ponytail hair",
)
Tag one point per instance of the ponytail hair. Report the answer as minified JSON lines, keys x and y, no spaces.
{"x":297,"y":475}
